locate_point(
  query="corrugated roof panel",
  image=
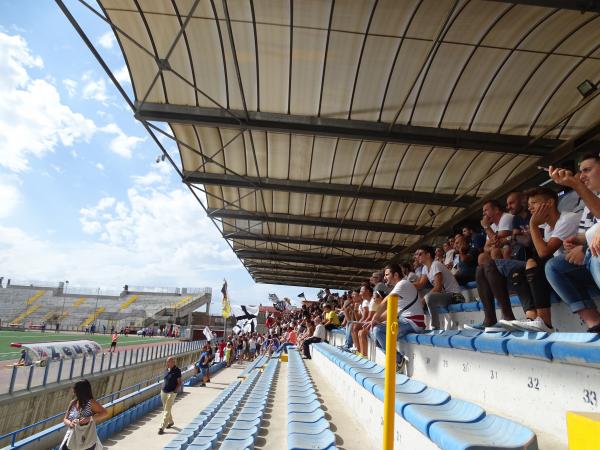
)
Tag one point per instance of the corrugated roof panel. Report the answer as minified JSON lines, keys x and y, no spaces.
{"x":361,"y":210}
{"x":257,"y":154}
{"x":296,"y":203}
{"x":190,"y":160}
{"x":307,"y":67}
{"x":274,"y":64}
{"x":300,"y":155}
{"x":279,"y":156}
{"x":373,"y":75}
{"x":164,"y":29}
{"x":351,"y":16}
{"x":410,"y":167}
{"x":411,"y":58}
{"x":141,"y":63}
{"x":342,"y":60}
{"x":552,"y":31}
{"x":567,"y":95}
{"x":515,"y":25}
{"x":583,"y":41}
{"x":536,"y":93}
{"x":312,"y":13}
{"x":505,"y":86}
{"x":432,"y":169}
{"x":438,"y":85}
{"x":474,"y":20}
{"x":366,"y":164}
{"x":234,"y":152}
{"x":453,"y":172}
{"x":243,"y":34}
{"x":210,"y":138}
{"x":474,"y":80}
{"x":324,"y":151}
{"x":344,"y":163}
{"x":392,"y":17}
{"x":430,"y":19}
{"x":389,"y":163}
{"x":207,"y":61}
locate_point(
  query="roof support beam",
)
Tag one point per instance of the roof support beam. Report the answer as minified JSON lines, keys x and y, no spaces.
{"x":308,"y":283}
{"x":577,"y":5}
{"x":307,"y":240}
{"x":253,"y":266}
{"x":308,"y":258}
{"x":301,"y":278}
{"x":337,"y":190}
{"x":316,"y":221}
{"x":345,"y":129}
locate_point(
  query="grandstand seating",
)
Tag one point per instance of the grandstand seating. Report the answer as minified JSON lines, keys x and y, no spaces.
{"x":440,"y":419}
{"x":233,"y":418}
{"x":24,"y":304}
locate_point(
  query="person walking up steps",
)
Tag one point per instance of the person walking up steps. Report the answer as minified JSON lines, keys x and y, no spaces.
{"x":171,"y":384}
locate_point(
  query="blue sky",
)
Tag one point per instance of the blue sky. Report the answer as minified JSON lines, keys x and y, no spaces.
{"x":81,"y":196}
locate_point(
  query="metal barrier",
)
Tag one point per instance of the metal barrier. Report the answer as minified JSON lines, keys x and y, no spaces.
{"x":27,"y":377}
{"x":137,"y":389}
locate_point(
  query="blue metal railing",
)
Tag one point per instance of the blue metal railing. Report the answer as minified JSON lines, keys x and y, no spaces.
{"x":156,"y":380}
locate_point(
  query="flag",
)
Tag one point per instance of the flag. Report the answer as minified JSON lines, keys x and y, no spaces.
{"x":321,"y":294}
{"x":226,"y":311}
{"x":273,"y":298}
{"x":280,"y":305}
{"x":301,"y":295}
{"x":209,"y":334}
{"x":245,"y":317}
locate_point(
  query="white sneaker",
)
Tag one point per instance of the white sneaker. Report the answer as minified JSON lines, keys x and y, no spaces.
{"x":508,"y":324}
{"x":537,"y":325}
{"x":496,"y":328}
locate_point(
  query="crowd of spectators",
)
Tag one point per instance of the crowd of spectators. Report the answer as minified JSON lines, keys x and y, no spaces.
{"x":533,"y":245}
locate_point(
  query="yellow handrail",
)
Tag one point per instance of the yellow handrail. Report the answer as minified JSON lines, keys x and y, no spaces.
{"x":389,"y":399}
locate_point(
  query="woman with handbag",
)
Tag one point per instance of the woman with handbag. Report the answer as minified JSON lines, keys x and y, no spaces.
{"x":80,"y":419}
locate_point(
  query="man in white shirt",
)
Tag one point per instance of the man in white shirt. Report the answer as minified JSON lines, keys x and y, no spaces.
{"x":549,"y":228}
{"x":410,"y":311}
{"x":497,"y":226}
{"x":575,"y":275}
{"x":445,"y":287}
{"x":318,"y":336}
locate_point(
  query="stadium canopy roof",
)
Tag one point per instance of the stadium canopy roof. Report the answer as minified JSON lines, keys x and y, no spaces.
{"x":325,"y":137}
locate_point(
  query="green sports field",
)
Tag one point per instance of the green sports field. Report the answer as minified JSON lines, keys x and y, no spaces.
{"x":8,"y":336}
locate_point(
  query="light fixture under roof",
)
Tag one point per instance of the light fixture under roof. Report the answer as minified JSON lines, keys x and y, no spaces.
{"x":586,"y":88}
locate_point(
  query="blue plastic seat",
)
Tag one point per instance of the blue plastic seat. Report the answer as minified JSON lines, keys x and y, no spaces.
{"x":443,"y":339}
{"x":584,"y":353}
{"x":471,"y":306}
{"x":429,"y":396}
{"x":491,"y":432}
{"x":235,"y":444}
{"x":300,"y":441}
{"x":464,"y":340}
{"x":423,"y":416}
{"x":492,"y":343}
{"x":304,"y":408}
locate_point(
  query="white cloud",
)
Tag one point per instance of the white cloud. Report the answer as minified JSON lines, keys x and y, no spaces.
{"x":99,"y":166}
{"x":122,"y":144}
{"x":107,"y":40}
{"x":70,"y":86}
{"x":41,"y":121}
{"x":152,"y":238}
{"x":122,"y":75}
{"x":10,"y":194}
{"x":94,"y":89}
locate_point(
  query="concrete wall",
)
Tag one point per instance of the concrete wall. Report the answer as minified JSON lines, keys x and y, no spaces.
{"x":25,"y":408}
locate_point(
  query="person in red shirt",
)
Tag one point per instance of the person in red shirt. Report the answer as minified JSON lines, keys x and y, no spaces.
{"x":221,"y":350}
